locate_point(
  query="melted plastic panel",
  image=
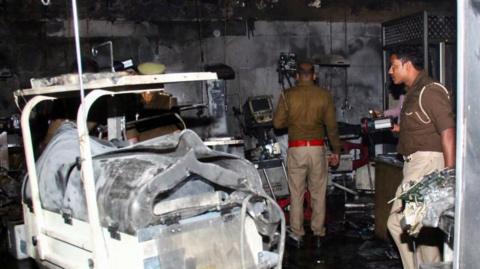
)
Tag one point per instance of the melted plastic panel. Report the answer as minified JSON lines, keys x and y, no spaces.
{"x":131,"y":181}
{"x":58,"y":163}
{"x":198,"y":244}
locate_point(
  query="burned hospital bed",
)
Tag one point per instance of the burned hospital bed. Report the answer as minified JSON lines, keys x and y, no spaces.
{"x":168,"y":202}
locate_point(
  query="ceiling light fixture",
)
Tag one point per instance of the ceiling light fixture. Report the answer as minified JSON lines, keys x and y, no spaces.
{"x":315,"y":4}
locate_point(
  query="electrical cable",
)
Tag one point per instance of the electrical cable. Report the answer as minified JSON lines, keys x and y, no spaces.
{"x":15,"y":99}
{"x":181,"y":120}
{"x":17,"y":104}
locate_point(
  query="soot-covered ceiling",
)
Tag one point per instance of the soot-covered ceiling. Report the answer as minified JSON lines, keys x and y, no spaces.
{"x":191,"y":10}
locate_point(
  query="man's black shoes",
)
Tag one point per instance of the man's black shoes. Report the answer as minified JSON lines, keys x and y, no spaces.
{"x":294,"y":240}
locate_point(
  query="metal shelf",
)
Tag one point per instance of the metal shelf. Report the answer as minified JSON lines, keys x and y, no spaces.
{"x":421,"y":29}
{"x":111,"y":81}
{"x":414,"y":29}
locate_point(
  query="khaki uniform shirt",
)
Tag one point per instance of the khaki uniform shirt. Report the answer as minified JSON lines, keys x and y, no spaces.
{"x":306,"y":110}
{"x":420,"y":130}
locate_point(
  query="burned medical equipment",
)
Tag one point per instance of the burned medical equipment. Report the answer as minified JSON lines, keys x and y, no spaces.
{"x":260,"y":111}
{"x":115,"y":65}
{"x":88,"y":202}
{"x":263,"y":149}
{"x":427,"y":200}
{"x":374,"y":125}
{"x":11,"y":164}
{"x":258,"y":115}
{"x":288,"y":63}
{"x":287,"y":68}
{"x":10,"y":124}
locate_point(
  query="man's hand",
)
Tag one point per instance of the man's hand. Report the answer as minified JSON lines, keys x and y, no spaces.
{"x":395,"y":128}
{"x":333,"y":159}
{"x":377,"y":114}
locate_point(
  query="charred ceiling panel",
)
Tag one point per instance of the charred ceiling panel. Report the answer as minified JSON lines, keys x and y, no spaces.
{"x":192,"y":10}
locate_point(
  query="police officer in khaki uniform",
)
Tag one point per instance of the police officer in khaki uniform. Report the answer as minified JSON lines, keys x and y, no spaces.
{"x":427,"y":142}
{"x":306,"y":109}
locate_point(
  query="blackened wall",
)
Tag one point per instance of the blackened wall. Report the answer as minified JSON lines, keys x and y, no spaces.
{"x":36,"y":41}
{"x":253,"y":56}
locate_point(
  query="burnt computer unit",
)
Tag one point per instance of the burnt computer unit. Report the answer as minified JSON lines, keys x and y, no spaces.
{"x":265,"y":153}
{"x":258,"y":116}
{"x":259,"y":111}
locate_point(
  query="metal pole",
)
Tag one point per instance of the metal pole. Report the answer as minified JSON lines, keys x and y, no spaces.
{"x":425,"y":42}
{"x":441,"y":51}
{"x":384,"y":75}
{"x":77,"y":49}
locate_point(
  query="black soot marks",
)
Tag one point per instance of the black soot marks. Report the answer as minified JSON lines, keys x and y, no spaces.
{"x":475,"y":6}
{"x":355,"y":46}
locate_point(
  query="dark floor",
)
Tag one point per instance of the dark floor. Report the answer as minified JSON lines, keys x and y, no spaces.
{"x":343,"y":251}
{"x":349,"y":243}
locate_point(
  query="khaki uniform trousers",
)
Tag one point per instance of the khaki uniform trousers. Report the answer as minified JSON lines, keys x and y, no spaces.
{"x":307,"y":167}
{"x":415,"y":167}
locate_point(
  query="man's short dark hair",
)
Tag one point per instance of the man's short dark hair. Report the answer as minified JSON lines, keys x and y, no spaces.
{"x":414,"y":54}
{"x":305,"y":69}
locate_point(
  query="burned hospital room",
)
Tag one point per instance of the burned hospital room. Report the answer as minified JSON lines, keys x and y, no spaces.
{"x":239,"y":134}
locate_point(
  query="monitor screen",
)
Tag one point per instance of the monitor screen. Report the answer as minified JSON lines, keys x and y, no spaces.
{"x":260,"y":104}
